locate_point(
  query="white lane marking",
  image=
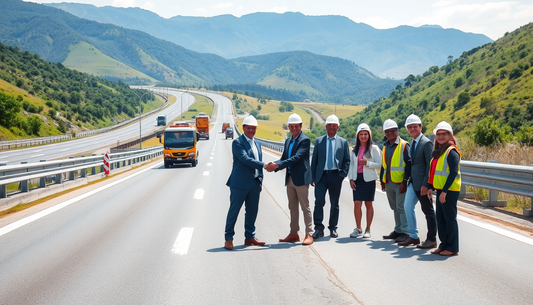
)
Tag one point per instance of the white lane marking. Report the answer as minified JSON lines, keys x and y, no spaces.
{"x":206,"y":173}
{"x":211,"y":158}
{"x":37,"y":155}
{"x":498,"y":230}
{"x":65,"y":149}
{"x":212,"y":153}
{"x":209,"y":164}
{"x":181,"y":245}
{"x":199,"y":194}
{"x":19,"y":223}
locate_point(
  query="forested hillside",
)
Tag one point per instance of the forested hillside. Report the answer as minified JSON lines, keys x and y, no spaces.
{"x":118,"y":53}
{"x":40,"y":98}
{"x":486,"y":94}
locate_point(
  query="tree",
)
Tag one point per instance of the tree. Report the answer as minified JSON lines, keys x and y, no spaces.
{"x":254,"y":113}
{"x":462,"y":99}
{"x":9,"y":108}
{"x":459,"y":82}
{"x":281,"y":108}
{"x":35,"y":124}
{"x":515,"y":73}
{"x":289,"y":106}
{"x":311,"y":122}
{"x":258,"y":107}
{"x":409,"y":80}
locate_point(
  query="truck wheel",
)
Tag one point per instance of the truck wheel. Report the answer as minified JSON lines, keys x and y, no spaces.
{"x":166,"y":164}
{"x":193,"y":163}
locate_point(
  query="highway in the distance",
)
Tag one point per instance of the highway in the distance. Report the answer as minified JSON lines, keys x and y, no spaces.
{"x":58,"y":150}
{"x":157,"y":238}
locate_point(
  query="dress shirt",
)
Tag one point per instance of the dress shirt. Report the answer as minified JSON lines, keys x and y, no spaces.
{"x":333,"y":146}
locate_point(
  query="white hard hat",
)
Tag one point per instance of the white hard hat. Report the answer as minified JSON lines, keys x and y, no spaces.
{"x":332,"y":119}
{"x":412,"y":119}
{"x":444,"y":126}
{"x":249,"y":120}
{"x":295,"y":119}
{"x":364,"y":126}
{"x":389,"y":124}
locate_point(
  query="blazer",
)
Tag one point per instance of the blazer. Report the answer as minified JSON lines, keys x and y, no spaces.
{"x":318,"y":160}
{"x":298,"y":160}
{"x":244,"y":164}
{"x":369,"y":170}
{"x":420,"y":163}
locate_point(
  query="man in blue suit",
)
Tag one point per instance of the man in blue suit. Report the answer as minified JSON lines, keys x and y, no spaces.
{"x":329,"y":166}
{"x":245,"y":183}
{"x":295,"y":159}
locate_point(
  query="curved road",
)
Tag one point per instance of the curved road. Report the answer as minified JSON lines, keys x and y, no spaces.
{"x":58,"y":150}
{"x":157,"y":237}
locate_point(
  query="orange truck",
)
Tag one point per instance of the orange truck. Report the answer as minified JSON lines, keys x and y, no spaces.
{"x":224,"y":126}
{"x":179,"y":145}
{"x":202,"y":125}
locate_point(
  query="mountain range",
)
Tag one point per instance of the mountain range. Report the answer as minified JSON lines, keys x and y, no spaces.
{"x":395,"y":52}
{"x":118,"y":53}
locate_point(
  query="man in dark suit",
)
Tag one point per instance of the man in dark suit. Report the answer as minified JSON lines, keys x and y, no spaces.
{"x":295,"y":159}
{"x":245,"y":183}
{"x":420,"y":151}
{"x":329,"y":166}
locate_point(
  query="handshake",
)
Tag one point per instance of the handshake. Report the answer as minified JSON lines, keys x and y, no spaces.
{"x":271,"y":166}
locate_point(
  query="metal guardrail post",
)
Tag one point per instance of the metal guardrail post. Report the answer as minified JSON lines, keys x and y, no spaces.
{"x":493,"y":197}
{"x":58,"y":179}
{"x":3,"y":191}
{"x":464,"y":195}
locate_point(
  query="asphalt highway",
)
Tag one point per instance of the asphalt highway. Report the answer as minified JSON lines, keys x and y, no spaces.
{"x":157,"y":237}
{"x":58,"y":150}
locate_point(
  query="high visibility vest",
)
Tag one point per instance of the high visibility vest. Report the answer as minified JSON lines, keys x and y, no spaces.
{"x":442,"y":170}
{"x":397,"y":163}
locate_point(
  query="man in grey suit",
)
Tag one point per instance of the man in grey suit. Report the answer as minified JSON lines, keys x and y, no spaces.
{"x":421,"y":149}
{"x":245,"y":183}
{"x":329,"y":165}
{"x":295,"y":159}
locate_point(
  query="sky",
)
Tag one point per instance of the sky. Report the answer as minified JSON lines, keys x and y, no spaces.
{"x":492,"y":18}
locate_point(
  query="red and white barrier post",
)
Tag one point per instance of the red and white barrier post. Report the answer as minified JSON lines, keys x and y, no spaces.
{"x":106,"y":164}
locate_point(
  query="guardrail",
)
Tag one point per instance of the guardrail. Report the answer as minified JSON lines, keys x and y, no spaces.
{"x":23,"y":173}
{"x":512,"y":179}
{"x":51,"y":139}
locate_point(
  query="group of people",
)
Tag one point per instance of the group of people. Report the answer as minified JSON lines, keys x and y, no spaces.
{"x":408,"y":172}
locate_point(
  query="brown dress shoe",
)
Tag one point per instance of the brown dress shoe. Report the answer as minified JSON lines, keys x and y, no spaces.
{"x":290,"y":238}
{"x":308,"y":240}
{"x":409,"y":241}
{"x":448,"y":253}
{"x":428,"y":244}
{"x":254,"y":242}
{"x":437,"y":251}
{"x":228,"y":244}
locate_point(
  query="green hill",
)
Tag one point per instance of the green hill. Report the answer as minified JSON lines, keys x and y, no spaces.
{"x":39,"y":98}
{"x":134,"y":56}
{"x":486,"y":94}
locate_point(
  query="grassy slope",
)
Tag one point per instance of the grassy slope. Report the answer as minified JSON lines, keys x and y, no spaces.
{"x":86,"y":58}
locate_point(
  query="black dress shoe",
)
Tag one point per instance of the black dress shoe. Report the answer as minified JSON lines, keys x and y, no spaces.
{"x":392,"y":235}
{"x":318,"y":233}
{"x":428,"y":244}
{"x":403,"y":237}
{"x":334,"y":233}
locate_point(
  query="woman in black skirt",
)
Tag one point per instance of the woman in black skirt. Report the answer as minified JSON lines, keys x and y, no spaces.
{"x":365,"y":159}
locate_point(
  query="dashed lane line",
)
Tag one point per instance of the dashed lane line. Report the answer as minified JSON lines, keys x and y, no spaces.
{"x":206,"y":173}
{"x":183,"y":241}
{"x":199,"y":194}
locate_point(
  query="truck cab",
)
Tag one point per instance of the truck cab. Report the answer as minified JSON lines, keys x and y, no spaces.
{"x":202,"y":125}
{"x":179,"y":145}
{"x":161,"y":120}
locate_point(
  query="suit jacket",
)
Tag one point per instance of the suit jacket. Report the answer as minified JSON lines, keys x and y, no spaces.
{"x":298,"y":160}
{"x":420,"y":163}
{"x":369,"y":170}
{"x":342,"y":157}
{"x":244,"y":164}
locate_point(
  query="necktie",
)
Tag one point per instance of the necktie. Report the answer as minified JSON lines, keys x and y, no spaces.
{"x":413,"y":149}
{"x":330,"y":154}
{"x":256,"y":157}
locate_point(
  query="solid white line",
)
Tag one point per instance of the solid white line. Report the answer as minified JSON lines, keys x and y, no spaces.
{"x":65,"y":149}
{"x":181,"y":245}
{"x":496,"y":229}
{"x":199,"y":194}
{"x":206,"y":173}
{"x":37,"y":155}
{"x":19,"y":223}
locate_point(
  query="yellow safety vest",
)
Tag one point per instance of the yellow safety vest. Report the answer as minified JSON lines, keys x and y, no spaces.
{"x":397,"y":163}
{"x":442,"y":170}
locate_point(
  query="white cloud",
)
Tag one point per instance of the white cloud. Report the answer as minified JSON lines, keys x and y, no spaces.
{"x":225,"y":5}
{"x":148,"y":5}
{"x":201,"y":10}
{"x":240,"y":8}
{"x":524,"y":12}
{"x":124,"y":3}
